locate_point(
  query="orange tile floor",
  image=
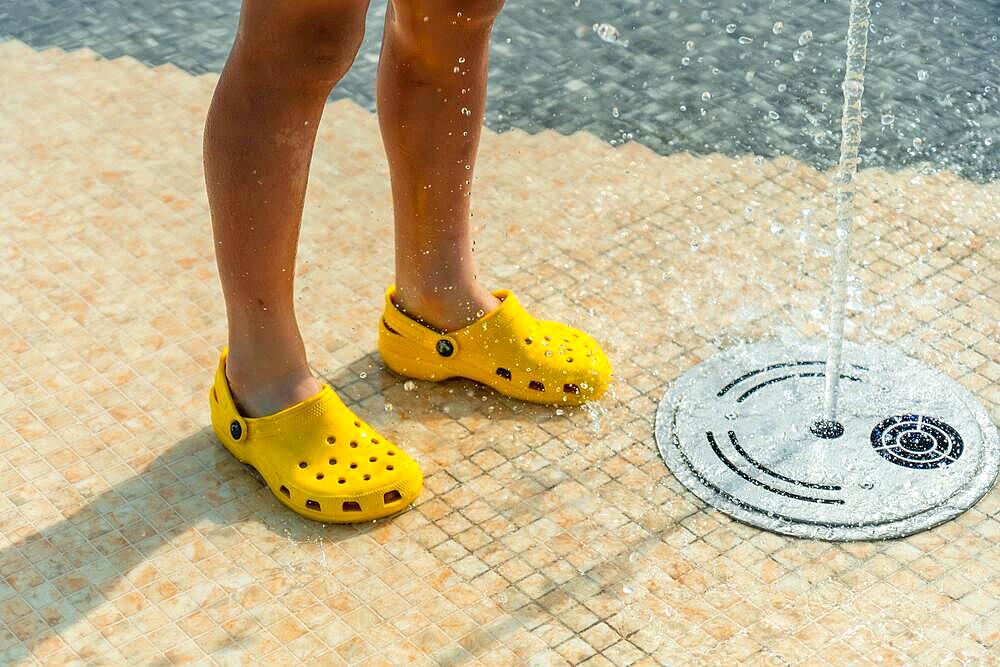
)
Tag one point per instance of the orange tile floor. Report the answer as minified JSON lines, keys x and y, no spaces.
{"x":543,"y":536}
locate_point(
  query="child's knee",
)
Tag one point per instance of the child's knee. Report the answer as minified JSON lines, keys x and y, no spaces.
{"x":444,"y":15}
{"x":431,"y":35}
{"x":315,"y":40}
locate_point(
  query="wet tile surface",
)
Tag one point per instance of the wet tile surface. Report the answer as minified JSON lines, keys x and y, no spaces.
{"x":128,"y":534}
{"x":759,"y":76}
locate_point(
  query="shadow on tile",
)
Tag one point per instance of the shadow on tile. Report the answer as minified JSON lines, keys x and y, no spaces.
{"x":121,"y":520}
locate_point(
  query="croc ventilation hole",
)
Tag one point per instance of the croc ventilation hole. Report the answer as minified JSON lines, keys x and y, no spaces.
{"x":284,"y":490}
{"x":536,"y":385}
{"x":303,"y":464}
{"x":388,"y":328}
{"x":313,"y":505}
{"x":571,"y":389}
{"x":214,"y":395}
{"x":351,"y":506}
{"x":391,"y":497}
{"x":330,"y":439}
{"x":504,"y":373}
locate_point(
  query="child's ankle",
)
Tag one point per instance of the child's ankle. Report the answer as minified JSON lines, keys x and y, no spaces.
{"x":446,"y":309}
{"x":258,"y":392}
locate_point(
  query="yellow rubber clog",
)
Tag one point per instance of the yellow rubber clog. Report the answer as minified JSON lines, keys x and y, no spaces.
{"x":317,"y":457}
{"x":507,"y":349}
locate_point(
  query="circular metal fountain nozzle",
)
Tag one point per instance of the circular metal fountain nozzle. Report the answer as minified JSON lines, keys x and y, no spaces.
{"x":910,"y":447}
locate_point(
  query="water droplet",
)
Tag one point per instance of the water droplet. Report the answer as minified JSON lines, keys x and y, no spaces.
{"x":921,"y":75}
{"x":731,"y":28}
{"x":607,"y":32}
{"x":798,"y":55}
{"x":461,"y":59}
{"x":466,"y":111}
{"x":777,"y":228}
{"x":615,"y":112}
{"x":777,"y":27}
{"x":689,"y":45}
{"x":745,"y":40}
{"x":409,"y":385}
{"x":888,"y":119}
{"x":363,"y":375}
{"x":805,"y":37}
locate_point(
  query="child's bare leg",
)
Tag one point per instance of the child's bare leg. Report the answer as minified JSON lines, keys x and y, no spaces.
{"x":431,"y":97}
{"x":259,"y":139}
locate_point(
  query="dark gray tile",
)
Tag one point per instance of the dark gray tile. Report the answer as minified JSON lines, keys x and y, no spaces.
{"x":932,"y":72}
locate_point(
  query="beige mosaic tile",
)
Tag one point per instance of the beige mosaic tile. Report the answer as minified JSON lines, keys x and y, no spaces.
{"x":543,"y":536}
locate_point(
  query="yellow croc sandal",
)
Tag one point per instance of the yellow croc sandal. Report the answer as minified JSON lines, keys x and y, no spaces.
{"x":317,"y":457}
{"x":507,"y":349}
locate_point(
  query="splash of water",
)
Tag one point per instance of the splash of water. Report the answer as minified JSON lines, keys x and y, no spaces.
{"x":850,"y":128}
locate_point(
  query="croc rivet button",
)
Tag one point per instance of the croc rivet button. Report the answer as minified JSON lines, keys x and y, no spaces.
{"x":235,"y":430}
{"x":445,"y":347}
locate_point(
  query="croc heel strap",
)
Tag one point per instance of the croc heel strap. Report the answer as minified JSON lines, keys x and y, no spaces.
{"x":317,"y":457}
{"x":507,"y":349}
